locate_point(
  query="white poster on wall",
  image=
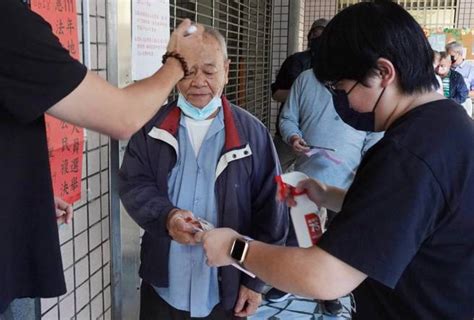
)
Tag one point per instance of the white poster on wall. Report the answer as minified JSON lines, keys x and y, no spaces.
{"x":150,"y":35}
{"x":437,"y":41}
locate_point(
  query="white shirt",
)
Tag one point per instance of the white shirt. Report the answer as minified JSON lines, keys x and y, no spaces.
{"x":440,"y":82}
{"x":197,"y":130}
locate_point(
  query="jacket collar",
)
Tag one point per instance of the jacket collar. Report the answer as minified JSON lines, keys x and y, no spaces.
{"x":233,"y":139}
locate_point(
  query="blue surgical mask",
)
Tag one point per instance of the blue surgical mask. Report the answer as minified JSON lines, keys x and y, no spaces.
{"x":364,"y":121}
{"x":198,"y":113}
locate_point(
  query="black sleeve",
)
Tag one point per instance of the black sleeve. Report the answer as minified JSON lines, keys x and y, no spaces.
{"x":36,"y":71}
{"x":286,"y":75}
{"x":388,"y":212}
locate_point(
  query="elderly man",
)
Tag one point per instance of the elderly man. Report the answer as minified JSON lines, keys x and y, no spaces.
{"x":200,"y":156}
{"x":465,"y":68}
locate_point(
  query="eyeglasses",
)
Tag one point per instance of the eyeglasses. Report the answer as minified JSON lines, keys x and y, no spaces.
{"x":331,"y":86}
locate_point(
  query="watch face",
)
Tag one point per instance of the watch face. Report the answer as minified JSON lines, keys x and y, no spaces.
{"x":238,"y":249}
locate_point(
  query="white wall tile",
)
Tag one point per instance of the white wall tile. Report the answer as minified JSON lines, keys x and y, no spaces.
{"x":82,"y":270}
{"x":80,"y":220}
{"x":80,"y":246}
{"x":96,"y":307}
{"x":95,"y":235}
{"x":84,"y":314}
{"x":94,"y":212}
{"x":67,"y":254}
{"x":66,"y":307}
{"x":96,"y":283}
{"x":51,"y":315}
{"x":82,"y":296}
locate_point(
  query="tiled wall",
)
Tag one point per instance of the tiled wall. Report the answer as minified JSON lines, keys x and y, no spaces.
{"x":85,"y":244}
{"x":301,"y":29}
{"x":315,"y":9}
{"x":465,"y":14}
{"x":279,"y":47}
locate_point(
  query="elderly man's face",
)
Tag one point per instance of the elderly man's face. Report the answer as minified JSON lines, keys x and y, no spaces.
{"x":455,"y":55}
{"x":208,"y":76}
{"x":444,"y":66}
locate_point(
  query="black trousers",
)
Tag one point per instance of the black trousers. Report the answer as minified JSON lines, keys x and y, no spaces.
{"x":153,"y":307}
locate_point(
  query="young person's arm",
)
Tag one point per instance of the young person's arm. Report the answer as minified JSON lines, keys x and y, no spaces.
{"x":97,"y":105}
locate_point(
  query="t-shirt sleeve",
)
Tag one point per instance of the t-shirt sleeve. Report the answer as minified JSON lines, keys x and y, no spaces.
{"x":285,"y":77}
{"x":389,"y":210}
{"x":36,"y":72}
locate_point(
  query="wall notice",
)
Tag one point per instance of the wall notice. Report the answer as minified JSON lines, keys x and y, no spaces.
{"x":65,"y":141}
{"x":440,"y":37}
{"x":150,"y":35}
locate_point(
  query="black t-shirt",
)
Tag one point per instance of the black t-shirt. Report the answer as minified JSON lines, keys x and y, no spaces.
{"x":408,"y":219}
{"x":291,"y":69}
{"x":35,"y":73}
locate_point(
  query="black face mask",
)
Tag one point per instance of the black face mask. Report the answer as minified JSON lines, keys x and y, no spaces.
{"x":364,"y":121}
{"x":314,"y":45}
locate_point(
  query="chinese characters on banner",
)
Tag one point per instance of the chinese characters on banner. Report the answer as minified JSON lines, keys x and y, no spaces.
{"x":65,"y":141}
{"x":150,"y":35}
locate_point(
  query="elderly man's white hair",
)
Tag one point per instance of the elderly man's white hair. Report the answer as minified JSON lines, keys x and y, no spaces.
{"x":455,"y":46}
{"x":220,"y":39}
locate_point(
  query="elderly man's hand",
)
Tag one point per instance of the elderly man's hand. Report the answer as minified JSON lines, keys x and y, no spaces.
{"x":216,"y":244}
{"x":64,"y":211}
{"x":187,"y":45}
{"x":298,"y":144}
{"x":179,"y":228}
{"x":247,"y":303}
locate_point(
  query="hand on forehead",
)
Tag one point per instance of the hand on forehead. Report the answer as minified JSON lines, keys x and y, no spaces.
{"x":211,"y":53}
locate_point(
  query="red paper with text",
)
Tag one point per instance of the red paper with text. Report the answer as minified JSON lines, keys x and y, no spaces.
{"x":65,"y":141}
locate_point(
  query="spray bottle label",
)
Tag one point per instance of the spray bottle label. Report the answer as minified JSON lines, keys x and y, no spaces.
{"x":313,"y":222}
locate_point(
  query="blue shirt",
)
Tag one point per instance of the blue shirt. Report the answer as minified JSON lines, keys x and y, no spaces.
{"x":309,"y":113}
{"x":193,"y":286}
{"x":466,"y":69}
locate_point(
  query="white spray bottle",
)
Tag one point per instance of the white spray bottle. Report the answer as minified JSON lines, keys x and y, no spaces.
{"x":308,"y":219}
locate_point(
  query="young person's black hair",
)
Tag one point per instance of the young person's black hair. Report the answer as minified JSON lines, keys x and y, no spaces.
{"x":362,"y":33}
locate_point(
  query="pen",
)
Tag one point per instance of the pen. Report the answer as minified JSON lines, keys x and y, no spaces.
{"x":322,"y":148}
{"x":250,"y":274}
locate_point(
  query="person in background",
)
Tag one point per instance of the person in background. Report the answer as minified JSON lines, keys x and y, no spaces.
{"x":200,"y":157}
{"x":403,"y":239}
{"x":465,"y":68}
{"x":454,"y":86}
{"x":436,"y":59}
{"x":289,"y":71}
{"x":39,"y":76}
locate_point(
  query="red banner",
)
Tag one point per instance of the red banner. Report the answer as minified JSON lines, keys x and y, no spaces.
{"x":65,"y":141}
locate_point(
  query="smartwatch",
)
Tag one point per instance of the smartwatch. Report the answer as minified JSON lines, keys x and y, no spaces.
{"x":239,"y":249}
